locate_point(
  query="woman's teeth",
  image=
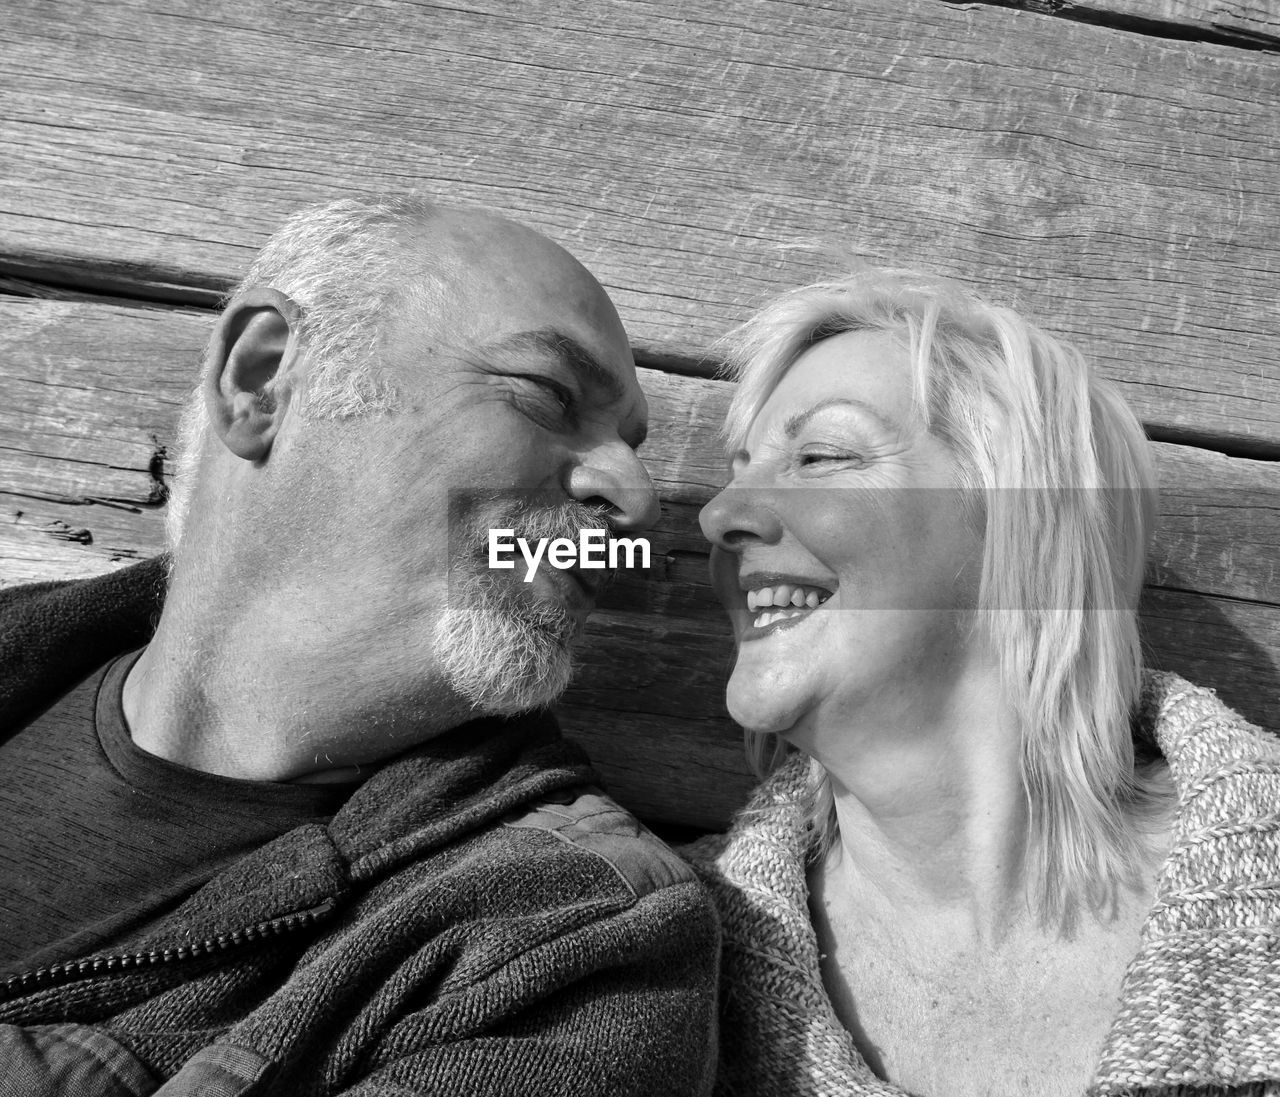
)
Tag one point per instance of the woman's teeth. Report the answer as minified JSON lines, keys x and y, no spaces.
{"x":783,"y":600}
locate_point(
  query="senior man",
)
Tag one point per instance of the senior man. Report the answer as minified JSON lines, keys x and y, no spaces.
{"x":317,"y":837}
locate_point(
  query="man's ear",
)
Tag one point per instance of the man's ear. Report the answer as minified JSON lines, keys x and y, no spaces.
{"x":253,"y":370}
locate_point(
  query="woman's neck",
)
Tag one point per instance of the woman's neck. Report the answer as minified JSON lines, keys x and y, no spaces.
{"x":933,"y":819}
{"x":932,"y":946}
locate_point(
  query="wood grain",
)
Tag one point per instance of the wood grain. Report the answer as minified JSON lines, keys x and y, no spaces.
{"x":89,"y":393}
{"x":1120,"y":186}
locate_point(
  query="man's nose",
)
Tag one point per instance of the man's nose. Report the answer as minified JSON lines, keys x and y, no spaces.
{"x":617,"y":482}
{"x":739,"y":515}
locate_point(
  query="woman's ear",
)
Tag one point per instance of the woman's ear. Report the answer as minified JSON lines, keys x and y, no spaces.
{"x":253,"y":370}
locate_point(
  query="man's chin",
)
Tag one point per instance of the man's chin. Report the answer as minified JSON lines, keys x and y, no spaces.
{"x":504,"y":662}
{"x":509,"y":697}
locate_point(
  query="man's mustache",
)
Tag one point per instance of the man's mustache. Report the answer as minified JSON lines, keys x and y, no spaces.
{"x":568,"y":519}
{"x":535,"y":521}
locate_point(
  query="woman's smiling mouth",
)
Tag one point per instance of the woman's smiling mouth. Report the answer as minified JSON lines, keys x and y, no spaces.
{"x":780,"y":604}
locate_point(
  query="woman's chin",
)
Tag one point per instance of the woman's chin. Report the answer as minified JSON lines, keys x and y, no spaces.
{"x":757,"y":703}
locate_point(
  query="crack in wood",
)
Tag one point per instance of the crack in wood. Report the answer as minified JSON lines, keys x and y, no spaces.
{"x":1232,"y":599}
{"x":1248,"y":449}
{"x":1150,"y":27}
{"x":59,"y":530}
{"x":105,"y":284}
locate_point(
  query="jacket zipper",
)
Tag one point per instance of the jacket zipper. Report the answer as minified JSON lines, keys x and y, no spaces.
{"x":27,"y":982}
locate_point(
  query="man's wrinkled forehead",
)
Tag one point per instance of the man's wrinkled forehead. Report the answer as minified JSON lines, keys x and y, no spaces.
{"x":486,"y":283}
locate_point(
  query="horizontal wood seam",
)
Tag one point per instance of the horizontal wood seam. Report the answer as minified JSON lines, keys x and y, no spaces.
{"x":104,"y":284}
{"x":103,"y":289}
{"x":1229,"y":447}
{"x":1233,"y":598}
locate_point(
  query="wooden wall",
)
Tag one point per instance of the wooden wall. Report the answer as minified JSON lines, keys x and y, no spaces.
{"x":1110,"y":168}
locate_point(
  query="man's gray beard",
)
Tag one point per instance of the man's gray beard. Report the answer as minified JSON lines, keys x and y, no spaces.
{"x":501,"y":653}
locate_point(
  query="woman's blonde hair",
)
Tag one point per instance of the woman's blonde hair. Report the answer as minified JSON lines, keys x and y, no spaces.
{"x":1062,"y":476}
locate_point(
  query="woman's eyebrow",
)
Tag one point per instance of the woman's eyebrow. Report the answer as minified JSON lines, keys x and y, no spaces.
{"x":795,"y":423}
{"x":571,"y":354}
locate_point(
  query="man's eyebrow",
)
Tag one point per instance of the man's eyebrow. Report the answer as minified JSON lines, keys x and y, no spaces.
{"x":569,"y":352}
{"x":795,"y":423}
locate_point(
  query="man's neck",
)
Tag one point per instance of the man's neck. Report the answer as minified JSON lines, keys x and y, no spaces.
{"x":240,"y":704}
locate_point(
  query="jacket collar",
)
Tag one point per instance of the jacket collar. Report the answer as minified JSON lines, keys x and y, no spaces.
{"x":454,"y":784}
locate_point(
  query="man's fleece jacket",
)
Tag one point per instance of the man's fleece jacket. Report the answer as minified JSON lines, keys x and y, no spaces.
{"x":476,"y":919}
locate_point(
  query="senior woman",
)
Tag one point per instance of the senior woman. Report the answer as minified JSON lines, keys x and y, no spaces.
{"x":998,"y":860}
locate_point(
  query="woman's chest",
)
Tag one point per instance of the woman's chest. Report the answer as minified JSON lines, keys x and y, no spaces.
{"x":988,"y":1026}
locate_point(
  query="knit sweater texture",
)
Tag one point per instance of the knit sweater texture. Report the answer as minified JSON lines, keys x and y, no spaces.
{"x":1199,"y":1005}
{"x":477,"y":918}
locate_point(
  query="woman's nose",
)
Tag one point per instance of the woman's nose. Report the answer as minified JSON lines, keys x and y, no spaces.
{"x":737,"y":516}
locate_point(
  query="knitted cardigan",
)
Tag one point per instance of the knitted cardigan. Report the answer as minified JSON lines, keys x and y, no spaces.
{"x":1199,"y":1005}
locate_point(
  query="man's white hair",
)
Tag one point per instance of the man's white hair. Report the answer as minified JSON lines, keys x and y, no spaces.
{"x":1061,"y":481}
{"x":344,"y":265}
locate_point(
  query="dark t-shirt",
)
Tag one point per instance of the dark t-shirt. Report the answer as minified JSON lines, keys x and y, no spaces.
{"x":99,"y":838}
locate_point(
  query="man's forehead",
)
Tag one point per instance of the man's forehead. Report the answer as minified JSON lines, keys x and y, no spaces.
{"x":516,"y":281}
{"x":492,"y":262}
{"x":506,"y":292}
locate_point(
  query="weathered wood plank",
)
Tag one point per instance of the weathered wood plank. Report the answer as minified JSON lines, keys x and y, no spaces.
{"x":1227,"y":645}
{"x":1219,"y":525}
{"x":691,"y":772}
{"x":1121,"y":186}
